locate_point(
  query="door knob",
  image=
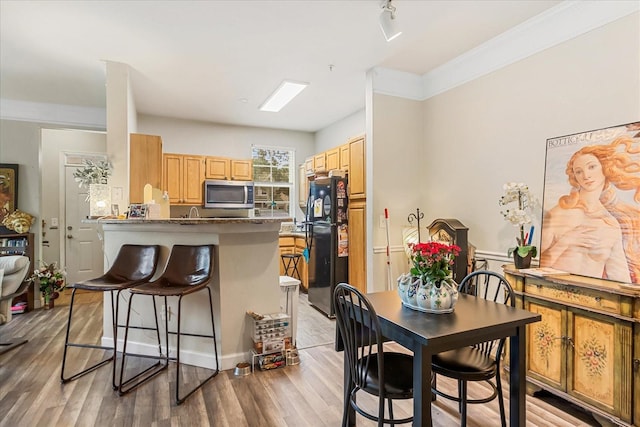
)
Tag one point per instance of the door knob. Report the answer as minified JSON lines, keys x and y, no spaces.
{"x":69,"y":227}
{"x":69,"y":236}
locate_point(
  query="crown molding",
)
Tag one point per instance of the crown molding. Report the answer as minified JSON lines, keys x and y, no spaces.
{"x":563,"y":22}
{"x":56,"y":114}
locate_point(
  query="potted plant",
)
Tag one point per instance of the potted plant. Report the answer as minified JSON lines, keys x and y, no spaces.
{"x":50,"y":280}
{"x":519,"y":215}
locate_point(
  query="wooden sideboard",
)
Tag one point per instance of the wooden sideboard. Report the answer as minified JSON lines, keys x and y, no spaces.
{"x":586,"y":349}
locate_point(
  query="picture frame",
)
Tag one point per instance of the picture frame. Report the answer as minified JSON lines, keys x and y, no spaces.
{"x":137,"y":210}
{"x":591,"y":204}
{"x":8,"y":189}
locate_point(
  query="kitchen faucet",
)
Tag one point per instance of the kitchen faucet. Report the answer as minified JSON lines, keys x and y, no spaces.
{"x":191,"y":212}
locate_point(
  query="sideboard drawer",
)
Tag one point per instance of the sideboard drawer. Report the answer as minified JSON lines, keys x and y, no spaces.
{"x":577,"y":296}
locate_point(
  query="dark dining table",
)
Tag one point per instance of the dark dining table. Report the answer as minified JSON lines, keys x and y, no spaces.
{"x":474,"y":320}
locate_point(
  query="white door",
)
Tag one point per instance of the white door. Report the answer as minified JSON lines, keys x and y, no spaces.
{"x":83,"y":247}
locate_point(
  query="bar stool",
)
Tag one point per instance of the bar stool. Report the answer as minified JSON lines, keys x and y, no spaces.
{"x":188,"y":270}
{"x":290,"y":262}
{"x":134,"y":264}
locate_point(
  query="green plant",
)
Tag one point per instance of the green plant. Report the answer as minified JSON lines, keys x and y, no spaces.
{"x":50,"y":279}
{"x":519,"y":216}
{"x":432,"y":261}
{"x":93,"y":172}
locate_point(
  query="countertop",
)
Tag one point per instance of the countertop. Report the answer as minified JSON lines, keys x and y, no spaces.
{"x":195,"y":221}
{"x":292,"y":234}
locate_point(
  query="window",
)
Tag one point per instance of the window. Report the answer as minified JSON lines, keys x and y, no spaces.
{"x":273,"y":175}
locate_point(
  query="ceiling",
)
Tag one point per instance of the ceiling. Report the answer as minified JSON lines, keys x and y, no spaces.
{"x":217,"y":61}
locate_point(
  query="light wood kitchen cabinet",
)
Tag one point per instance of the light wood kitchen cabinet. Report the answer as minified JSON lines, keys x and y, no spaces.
{"x":183,"y":178}
{"x":332,"y":159}
{"x":295,"y":245}
{"x":357,"y":184}
{"x":241,"y":170}
{"x":357,"y":213}
{"x":308,"y":166}
{"x":217,"y":168}
{"x":320,"y":163}
{"x":224,"y":168}
{"x":344,"y":157}
{"x":145,"y":164}
{"x":586,"y":347}
{"x":303,"y":186}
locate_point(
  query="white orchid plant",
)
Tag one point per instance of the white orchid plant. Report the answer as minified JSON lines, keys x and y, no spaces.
{"x":93,"y":173}
{"x":519,"y":215}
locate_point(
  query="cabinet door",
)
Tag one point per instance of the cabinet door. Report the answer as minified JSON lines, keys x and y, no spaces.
{"x":303,"y":186}
{"x":308,"y":166}
{"x":357,"y":245}
{"x":242,"y":170}
{"x":356,"y":169}
{"x":145,"y":165}
{"x":333,"y":159}
{"x":546,"y":359}
{"x":193,"y":180}
{"x":636,"y":374}
{"x":319,"y":163}
{"x":217,"y":168}
{"x":600,"y":346}
{"x":344,"y":157}
{"x":172,"y":177}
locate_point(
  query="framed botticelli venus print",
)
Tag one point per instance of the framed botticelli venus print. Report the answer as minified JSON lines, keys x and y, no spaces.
{"x":591,"y":204}
{"x":8,"y":189}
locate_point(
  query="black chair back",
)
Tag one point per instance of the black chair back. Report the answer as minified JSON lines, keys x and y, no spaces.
{"x":359,"y":326}
{"x":492,"y":287}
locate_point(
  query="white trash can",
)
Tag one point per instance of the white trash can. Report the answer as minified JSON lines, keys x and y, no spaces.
{"x":290,"y":288}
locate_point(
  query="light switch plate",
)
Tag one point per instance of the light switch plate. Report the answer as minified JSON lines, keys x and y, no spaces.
{"x":54,"y":222}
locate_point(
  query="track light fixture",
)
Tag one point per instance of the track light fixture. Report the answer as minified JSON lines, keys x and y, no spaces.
{"x":388,"y":22}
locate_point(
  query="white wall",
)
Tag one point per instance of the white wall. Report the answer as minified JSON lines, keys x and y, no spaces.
{"x":492,"y":130}
{"x":340,"y":132}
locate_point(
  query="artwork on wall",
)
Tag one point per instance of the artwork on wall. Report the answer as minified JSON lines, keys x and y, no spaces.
{"x":8,"y":189}
{"x":591,"y":204}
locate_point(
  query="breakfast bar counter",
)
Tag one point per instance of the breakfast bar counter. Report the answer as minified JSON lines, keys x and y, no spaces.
{"x":246,"y":277}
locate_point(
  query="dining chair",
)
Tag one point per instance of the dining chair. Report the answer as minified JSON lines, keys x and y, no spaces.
{"x":387,"y":375}
{"x":188,"y":270}
{"x":134,"y":264}
{"x":480,"y":362}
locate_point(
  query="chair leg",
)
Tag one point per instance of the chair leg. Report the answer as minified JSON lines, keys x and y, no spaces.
{"x":503,"y":419}
{"x":390,"y":409}
{"x":463,"y":401}
{"x":180,"y":400}
{"x":68,"y":344}
{"x":135,"y":381}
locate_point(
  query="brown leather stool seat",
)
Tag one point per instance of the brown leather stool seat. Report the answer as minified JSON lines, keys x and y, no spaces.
{"x":134,"y":264}
{"x":188,"y":270}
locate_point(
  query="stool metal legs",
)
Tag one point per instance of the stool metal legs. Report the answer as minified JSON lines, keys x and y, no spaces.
{"x":139,"y":379}
{"x":153,"y":370}
{"x":68,"y":344}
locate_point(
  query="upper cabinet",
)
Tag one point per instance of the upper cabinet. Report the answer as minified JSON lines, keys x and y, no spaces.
{"x":145,"y":154}
{"x":241,"y":170}
{"x":183,"y":178}
{"x":344,"y":157}
{"x":228,"y":169}
{"x":333,"y":159}
{"x":320,"y":163}
{"x":357,"y":185}
{"x":217,"y":168}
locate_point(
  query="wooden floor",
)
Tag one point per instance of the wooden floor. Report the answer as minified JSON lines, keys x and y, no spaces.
{"x":308,"y":394}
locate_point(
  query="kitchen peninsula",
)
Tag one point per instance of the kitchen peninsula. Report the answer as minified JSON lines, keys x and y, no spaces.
{"x":246,"y":277}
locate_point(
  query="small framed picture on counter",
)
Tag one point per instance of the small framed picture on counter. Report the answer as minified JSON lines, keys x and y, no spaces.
{"x":137,"y":211}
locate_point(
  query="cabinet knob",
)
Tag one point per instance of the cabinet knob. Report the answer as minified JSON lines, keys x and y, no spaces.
{"x":598,"y":299}
{"x":636,"y":364}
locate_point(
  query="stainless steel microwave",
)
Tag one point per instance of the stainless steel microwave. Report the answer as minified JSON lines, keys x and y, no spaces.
{"x":228,"y":194}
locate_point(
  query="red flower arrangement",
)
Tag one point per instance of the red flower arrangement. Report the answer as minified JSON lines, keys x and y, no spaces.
{"x":432,"y":261}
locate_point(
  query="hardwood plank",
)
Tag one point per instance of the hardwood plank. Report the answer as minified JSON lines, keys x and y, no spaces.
{"x":308,"y":394}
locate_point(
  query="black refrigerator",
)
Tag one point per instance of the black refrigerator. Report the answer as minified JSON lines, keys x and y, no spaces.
{"x":328,"y":240}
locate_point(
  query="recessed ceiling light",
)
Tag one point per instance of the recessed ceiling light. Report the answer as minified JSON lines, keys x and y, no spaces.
{"x":283,"y":95}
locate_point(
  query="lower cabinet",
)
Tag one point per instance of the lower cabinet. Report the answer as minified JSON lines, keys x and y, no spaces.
{"x":295,"y":245}
{"x":586,"y":348}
